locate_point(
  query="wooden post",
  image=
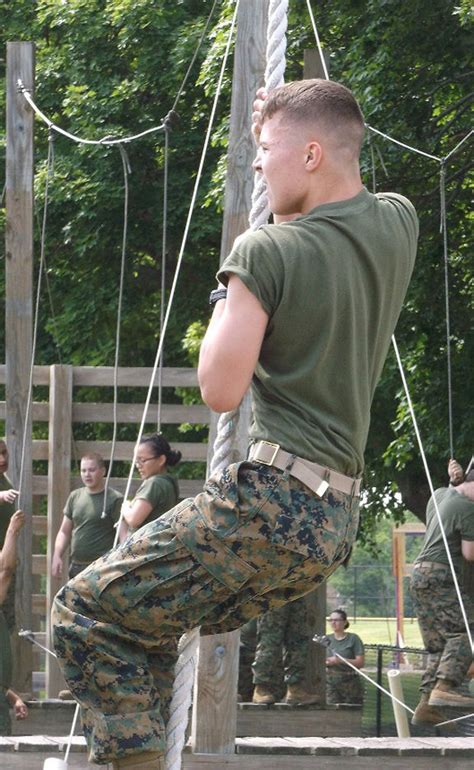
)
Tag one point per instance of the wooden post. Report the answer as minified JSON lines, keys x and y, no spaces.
{"x":214,"y":715}
{"x":316,"y":600}
{"x":18,"y":323}
{"x":59,"y":477}
{"x":315,"y":681}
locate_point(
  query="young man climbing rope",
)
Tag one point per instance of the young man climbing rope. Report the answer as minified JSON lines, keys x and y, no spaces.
{"x":304,"y":314}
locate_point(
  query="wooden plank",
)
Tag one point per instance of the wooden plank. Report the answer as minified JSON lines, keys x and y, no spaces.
{"x":216,"y":676}
{"x":192,"y":452}
{"x":18,"y":321}
{"x":133,"y":376}
{"x":39,"y":604}
{"x":40,"y":523}
{"x":39,"y":565}
{"x":133,"y":413}
{"x":59,"y":471}
{"x":126,"y":413}
{"x":187,"y":488}
{"x":302,"y":722}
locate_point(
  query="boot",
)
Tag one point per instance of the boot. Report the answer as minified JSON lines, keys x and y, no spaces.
{"x":263,"y":694}
{"x":426,"y":714}
{"x":445,"y":694}
{"x":144,"y":760}
{"x":296,"y":695}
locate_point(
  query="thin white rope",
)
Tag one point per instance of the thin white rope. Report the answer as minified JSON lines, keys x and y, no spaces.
{"x":30,"y":636}
{"x":430,"y":483}
{"x":459,"y":145}
{"x":456,"y":719}
{"x":402,"y":144}
{"x":71,"y":732}
{"x":29,"y":397}
{"x":163,"y":271}
{"x":444,"y":232}
{"x":318,"y":43}
{"x":106,"y":140}
{"x":126,"y":171}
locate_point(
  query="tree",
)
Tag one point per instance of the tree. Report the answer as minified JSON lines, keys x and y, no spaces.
{"x":115,"y":66}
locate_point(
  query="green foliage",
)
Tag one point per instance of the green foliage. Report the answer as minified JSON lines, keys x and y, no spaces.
{"x":114,"y":67}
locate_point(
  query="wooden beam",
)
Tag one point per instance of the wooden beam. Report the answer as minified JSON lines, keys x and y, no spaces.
{"x":19,"y":322}
{"x":59,"y":472}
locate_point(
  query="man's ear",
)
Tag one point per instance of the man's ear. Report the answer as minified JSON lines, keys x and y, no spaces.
{"x":313,"y":156}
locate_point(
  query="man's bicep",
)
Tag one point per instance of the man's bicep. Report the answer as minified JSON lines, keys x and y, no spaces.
{"x":467,"y":547}
{"x":231,"y":347}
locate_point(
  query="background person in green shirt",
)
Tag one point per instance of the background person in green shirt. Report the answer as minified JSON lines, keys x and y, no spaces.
{"x":89,"y":533}
{"x":159,"y":491}
{"x":343,"y":684}
{"x":436,"y":602}
{"x":8,"y":496}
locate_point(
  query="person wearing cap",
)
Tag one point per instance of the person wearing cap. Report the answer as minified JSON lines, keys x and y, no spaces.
{"x":436,"y":601}
{"x":303,"y":313}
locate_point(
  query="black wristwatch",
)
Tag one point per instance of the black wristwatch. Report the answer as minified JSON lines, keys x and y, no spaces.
{"x":216,"y":295}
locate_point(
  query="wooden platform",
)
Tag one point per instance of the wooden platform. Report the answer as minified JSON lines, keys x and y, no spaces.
{"x":274,"y":754}
{"x":53,"y":717}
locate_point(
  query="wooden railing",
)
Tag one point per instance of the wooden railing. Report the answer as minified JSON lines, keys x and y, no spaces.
{"x":59,"y":451}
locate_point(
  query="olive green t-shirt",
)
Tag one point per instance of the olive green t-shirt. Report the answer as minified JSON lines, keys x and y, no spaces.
{"x":161,"y":491}
{"x":457,"y":515}
{"x":6,"y":509}
{"x":92,"y":535}
{"x":333,"y":283}
{"x":349,"y":647}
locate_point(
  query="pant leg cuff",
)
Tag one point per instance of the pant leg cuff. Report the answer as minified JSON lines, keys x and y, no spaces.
{"x":118,"y":735}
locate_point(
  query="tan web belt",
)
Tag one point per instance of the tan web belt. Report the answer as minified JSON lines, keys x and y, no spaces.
{"x":316,"y":477}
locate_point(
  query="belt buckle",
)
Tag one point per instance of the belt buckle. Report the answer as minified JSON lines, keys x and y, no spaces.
{"x":276,"y":448}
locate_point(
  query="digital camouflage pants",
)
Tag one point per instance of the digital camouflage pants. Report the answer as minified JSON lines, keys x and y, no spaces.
{"x":282,"y":638}
{"x":253,"y":539}
{"x":441,"y":624}
{"x":343,"y":686}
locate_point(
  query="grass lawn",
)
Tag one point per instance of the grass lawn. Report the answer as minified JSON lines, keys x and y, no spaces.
{"x":384,"y":631}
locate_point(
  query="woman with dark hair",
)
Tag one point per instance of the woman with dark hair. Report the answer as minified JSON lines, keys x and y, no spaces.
{"x":159,"y":490}
{"x":343,"y":684}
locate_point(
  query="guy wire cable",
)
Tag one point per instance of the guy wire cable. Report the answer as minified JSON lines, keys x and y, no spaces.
{"x":126,"y":172}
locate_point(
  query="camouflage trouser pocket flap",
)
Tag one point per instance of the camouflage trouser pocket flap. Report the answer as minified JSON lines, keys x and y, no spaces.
{"x":211,"y":552}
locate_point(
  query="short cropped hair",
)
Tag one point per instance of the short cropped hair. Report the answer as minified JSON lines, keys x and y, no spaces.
{"x":98,"y":459}
{"x":323,"y":102}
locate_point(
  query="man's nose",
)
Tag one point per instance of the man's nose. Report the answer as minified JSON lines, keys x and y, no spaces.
{"x":257,"y":164}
